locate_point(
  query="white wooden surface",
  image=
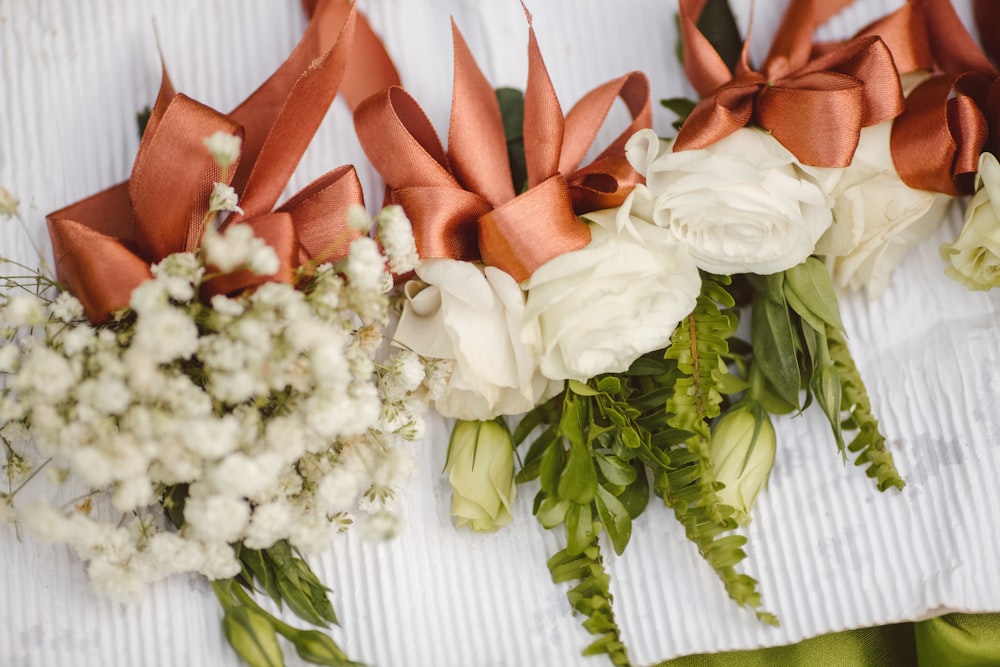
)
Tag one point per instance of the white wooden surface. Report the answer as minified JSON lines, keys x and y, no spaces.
{"x":829,"y":550}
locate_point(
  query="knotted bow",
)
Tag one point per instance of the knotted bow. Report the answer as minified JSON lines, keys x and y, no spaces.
{"x":462,"y":202}
{"x":815,"y":105}
{"x":105,"y":244}
{"x":937,"y":139}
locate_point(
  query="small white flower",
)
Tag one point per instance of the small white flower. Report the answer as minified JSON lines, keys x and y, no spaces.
{"x":10,"y":356}
{"x":224,"y":147}
{"x":263,"y":260}
{"x":166,"y":335}
{"x":357,"y":218}
{"x":380,"y":526}
{"x":46,"y":373}
{"x":23,"y":310}
{"x":216,"y":518}
{"x":396,"y":236}
{"x":66,"y":308}
{"x":223,"y":198}
{"x":365,"y":265}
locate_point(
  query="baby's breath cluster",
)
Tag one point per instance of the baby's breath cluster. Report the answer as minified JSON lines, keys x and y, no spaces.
{"x":249,"y":419}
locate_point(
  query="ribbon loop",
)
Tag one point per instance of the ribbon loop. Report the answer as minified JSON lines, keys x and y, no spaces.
{"x":462,"y":203}
{"x":814,"y":104}
{"x":105,"y":244}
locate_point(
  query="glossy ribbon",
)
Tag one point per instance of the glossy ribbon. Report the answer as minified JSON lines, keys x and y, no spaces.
{"x":937,"y":139}
{"x":105,"y":244}
{"x":462,"y":202}
{"x":815,"y":105}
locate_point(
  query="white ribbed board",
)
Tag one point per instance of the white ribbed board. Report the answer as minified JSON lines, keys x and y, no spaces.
{"x":830,"y":551}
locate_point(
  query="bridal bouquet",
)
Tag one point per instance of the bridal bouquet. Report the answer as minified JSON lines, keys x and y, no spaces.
{"x":205,"y":375}
{"x":609,"y":304}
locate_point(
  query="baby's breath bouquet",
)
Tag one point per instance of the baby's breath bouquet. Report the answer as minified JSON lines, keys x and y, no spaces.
{"x":201,"y":385}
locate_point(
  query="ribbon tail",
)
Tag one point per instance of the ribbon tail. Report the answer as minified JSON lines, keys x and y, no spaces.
{"x":705,"y":68}
{"x":477,"y":146}
{"x":543,"y":118}
{"x":282,"y":116}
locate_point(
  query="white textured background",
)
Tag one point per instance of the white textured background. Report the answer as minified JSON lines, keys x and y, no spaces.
{"x":830,"y":551}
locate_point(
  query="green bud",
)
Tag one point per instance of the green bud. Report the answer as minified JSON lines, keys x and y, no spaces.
{"x":252,"y":637}
{"x":742,"y":453}
{"x":315,"y":647}
{"x":480,"y":468}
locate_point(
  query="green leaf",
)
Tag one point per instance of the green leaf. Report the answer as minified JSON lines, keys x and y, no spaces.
{"x":774,"y":348}
{"x":252,"y":636}
{"x":615,"y":517}
{"x":681,"y":106}
{"x":298,"y":597}
{"x":719,"y":26}
{"x":142,"y":119}
{"x":578,"y":481}
{"x":552,"y":511}
{"x":581,"y":389}
{"x":635,"y":497}
{"x":579,"y":528}
{"x":511,"y":101}
{"x":826,"y":388}
{"x":262,"y":572}
{"x":810,"y":282}
{"x":616,"y":471}
{"x":532,"y":462}
{"x":551,"y":467}
{"x":610,"y":385}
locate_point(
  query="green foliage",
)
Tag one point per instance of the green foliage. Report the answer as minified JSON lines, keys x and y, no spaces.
{"x":142,"y":119}
{"x":869,"y":443}
{"x":699,"y":347}
{"x":591,"y":597}
{"x":511,"y":101}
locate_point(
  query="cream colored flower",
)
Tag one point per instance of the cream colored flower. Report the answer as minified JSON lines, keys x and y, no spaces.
{"x":603,"y":306}
{"x":480,"y":467}
{"x":742,"y":205}
{"x":975,"y":254}
{"x":742,"y":453}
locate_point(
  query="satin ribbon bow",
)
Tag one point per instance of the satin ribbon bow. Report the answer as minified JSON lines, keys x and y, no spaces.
{"x":105,"y":244}
{"x":815,"y":105}
{"x":937,"y":139}
{"x":462,"y":202}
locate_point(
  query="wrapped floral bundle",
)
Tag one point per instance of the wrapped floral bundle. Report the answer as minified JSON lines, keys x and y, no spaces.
{"x":614,"y":299}
{"x":206,"y":372}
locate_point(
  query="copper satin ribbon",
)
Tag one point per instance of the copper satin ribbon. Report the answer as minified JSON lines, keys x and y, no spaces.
{"x":815,"y":105}
{"x":937,"y":139}
{"x":462,"y":202}
{"x":105,"y":244}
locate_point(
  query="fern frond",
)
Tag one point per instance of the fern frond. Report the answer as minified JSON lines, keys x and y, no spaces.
{"x":869,"y":443}
{"x":591,"y":597}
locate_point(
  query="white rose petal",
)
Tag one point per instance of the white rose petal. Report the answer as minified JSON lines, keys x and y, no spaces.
{"x":474,"y":317}
{"x":742,"y":205}
{"x":603,"y":306}
{"x":877,"y":218}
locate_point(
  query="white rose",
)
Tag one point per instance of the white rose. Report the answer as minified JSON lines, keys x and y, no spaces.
{"x":975,"y":254}
{"x":877,"y":217}
{"x":742,"y":205}
{"x":603,"y":306}
{"x":473,"y":316}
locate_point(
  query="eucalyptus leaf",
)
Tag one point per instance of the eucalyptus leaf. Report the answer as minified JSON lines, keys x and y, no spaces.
{"x":635,"y":497}
{"x":615,"y":517}
{"x":801,"y":309}
{"x":610,"y":384}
